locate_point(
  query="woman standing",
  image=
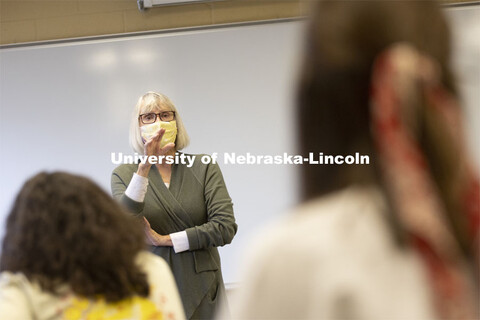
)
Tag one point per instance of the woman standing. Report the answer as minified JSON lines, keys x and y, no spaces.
{"x":186,"y":208}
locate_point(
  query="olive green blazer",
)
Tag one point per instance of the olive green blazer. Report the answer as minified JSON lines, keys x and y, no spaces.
{"x":197,"y":202}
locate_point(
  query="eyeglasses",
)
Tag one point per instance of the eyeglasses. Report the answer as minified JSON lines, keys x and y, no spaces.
{"x":165,"y":116}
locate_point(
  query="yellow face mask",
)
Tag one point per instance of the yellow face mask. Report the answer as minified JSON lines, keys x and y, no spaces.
{"x":149,"y":130}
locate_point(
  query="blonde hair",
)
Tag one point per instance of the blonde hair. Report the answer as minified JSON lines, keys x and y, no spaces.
{"x":151,"y":102}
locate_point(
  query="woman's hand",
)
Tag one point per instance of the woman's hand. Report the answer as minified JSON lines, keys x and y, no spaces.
{"x":151,"y":147}
{"x":155,"y":239}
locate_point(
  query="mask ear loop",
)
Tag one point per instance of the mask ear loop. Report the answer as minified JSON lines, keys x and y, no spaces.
{"x":398,"y":83}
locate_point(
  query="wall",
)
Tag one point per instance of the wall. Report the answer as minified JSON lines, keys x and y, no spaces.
{"x":38,"y":20}
{"x":27,"y":21}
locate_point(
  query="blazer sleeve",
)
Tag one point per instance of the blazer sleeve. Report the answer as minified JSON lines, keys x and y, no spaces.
{"x":119,"y":182}
{"x":220,"y":227}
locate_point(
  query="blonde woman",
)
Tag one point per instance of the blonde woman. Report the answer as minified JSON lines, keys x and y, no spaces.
{"x":186,"y":208}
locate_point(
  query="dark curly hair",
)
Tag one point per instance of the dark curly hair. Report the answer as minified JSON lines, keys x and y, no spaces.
{"x":64,"y":229}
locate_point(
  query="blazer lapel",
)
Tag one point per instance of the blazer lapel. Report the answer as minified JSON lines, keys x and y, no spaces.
{"x":166,"y":197}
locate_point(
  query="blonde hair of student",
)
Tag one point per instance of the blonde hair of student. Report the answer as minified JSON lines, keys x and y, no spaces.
{"x":151,"y":102}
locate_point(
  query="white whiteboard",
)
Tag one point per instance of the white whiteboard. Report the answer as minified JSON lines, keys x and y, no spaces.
{"x":231,"y":85}
{"x":234,"y":87}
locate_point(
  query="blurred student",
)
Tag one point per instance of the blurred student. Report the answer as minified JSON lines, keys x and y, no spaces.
{"x":395,"y":239}
{"x":70,"y":252}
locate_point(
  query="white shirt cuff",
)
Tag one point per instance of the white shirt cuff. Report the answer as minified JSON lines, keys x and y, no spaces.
{"x":137,"y":188}
{"x":180,"y":241}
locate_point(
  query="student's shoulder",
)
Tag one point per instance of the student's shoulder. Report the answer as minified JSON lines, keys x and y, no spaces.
{"x":12,"y":280}
{"x":156,"y":269}
{"x":320,"y":222}
{"x":152,"y":263}
{"x":17,"y":294}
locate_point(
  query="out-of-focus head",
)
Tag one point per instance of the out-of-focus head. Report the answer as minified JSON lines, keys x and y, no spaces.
{"x":343,"y":41}
{"x":153,"y":102}
{"x":64,"y":229}
{"x":376,"y":80}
